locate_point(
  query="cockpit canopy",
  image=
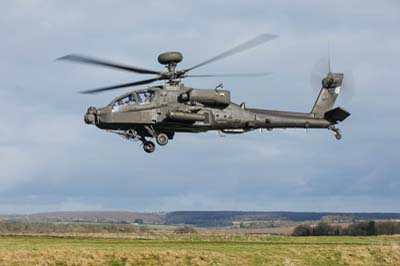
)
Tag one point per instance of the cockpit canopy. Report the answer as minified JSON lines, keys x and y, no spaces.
{"x":138,"y":97}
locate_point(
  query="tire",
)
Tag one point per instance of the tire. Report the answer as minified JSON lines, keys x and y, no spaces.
{"x":149,"y":146}
{"x":162,"y":139}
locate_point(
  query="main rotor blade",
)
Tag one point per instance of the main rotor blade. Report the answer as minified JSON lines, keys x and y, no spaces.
{"x":240,"y":48}
{"x":230,"y":75}
{"x":100,"y":62}
{"x":136,"y":83}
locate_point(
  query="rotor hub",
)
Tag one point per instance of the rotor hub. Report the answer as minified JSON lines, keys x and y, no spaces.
{"x":332,"y":80}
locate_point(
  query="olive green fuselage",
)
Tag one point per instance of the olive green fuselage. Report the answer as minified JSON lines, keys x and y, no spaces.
{"x":182,"y":109}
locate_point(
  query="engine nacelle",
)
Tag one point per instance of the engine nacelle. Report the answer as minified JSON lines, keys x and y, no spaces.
{"x":212,"y":97}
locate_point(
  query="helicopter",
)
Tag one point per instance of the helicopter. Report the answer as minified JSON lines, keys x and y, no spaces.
{"x":161,"y":111}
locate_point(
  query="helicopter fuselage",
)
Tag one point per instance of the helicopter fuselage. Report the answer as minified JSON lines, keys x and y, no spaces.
{"x":176,"y":108}
{"x":161,"y":111}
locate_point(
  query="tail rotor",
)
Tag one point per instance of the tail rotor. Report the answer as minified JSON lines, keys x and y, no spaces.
{"x":322,"y":68}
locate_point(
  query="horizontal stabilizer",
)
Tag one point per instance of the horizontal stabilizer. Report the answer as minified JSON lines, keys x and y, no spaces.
{"x":337,"y":114}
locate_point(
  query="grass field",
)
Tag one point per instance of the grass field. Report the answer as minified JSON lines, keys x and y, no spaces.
{"x":197,"y":249}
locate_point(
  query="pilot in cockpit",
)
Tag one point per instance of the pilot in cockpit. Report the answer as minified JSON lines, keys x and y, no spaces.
{"x":147,"y":97}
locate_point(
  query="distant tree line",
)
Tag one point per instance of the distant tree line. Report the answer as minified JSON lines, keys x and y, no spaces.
{"x":369,"y":228}
{"x":25,"y":227}
{"x":226,"y":218}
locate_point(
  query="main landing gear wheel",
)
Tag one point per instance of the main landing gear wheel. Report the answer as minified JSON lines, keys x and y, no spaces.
{"x":149,"y":146}
{"x":162,"y":139}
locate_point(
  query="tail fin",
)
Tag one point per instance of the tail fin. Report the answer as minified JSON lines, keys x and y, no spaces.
{"x":331,"y":85}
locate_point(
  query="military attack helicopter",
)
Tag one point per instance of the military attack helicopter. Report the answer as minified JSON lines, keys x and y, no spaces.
{"x":161,"y":111}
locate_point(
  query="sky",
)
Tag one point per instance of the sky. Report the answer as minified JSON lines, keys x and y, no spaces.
{"x":50,"y":160}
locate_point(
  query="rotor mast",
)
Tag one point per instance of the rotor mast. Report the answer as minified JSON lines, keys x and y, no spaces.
{"x":170,"y":61}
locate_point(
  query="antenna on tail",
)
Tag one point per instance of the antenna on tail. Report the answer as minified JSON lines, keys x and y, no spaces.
{"x":329,"y":56}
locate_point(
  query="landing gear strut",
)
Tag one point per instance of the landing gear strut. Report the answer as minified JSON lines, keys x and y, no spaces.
{"x":338,"y":134}
{"x":148,"y":146}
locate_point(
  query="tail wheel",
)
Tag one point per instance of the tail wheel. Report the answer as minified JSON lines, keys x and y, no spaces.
{"x":338,"y":133}
{"x":162,"y":139}
{"x":149,"y":146}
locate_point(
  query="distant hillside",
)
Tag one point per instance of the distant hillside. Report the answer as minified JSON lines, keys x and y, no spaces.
{"x":198,"y":218}
{"x":225,"y":218}
{"x":91,"y":216}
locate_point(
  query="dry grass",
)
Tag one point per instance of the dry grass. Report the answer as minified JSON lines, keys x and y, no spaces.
{"x":89,"y":257}
{"x":198,"y":249}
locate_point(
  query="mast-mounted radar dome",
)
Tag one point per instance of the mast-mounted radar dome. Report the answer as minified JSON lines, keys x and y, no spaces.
{"x":170,"y":57}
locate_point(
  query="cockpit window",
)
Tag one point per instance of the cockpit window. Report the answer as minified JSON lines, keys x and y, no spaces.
{"x":145,"y":97}
{"x":138,"y":97}
{"x":130,"y":99}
